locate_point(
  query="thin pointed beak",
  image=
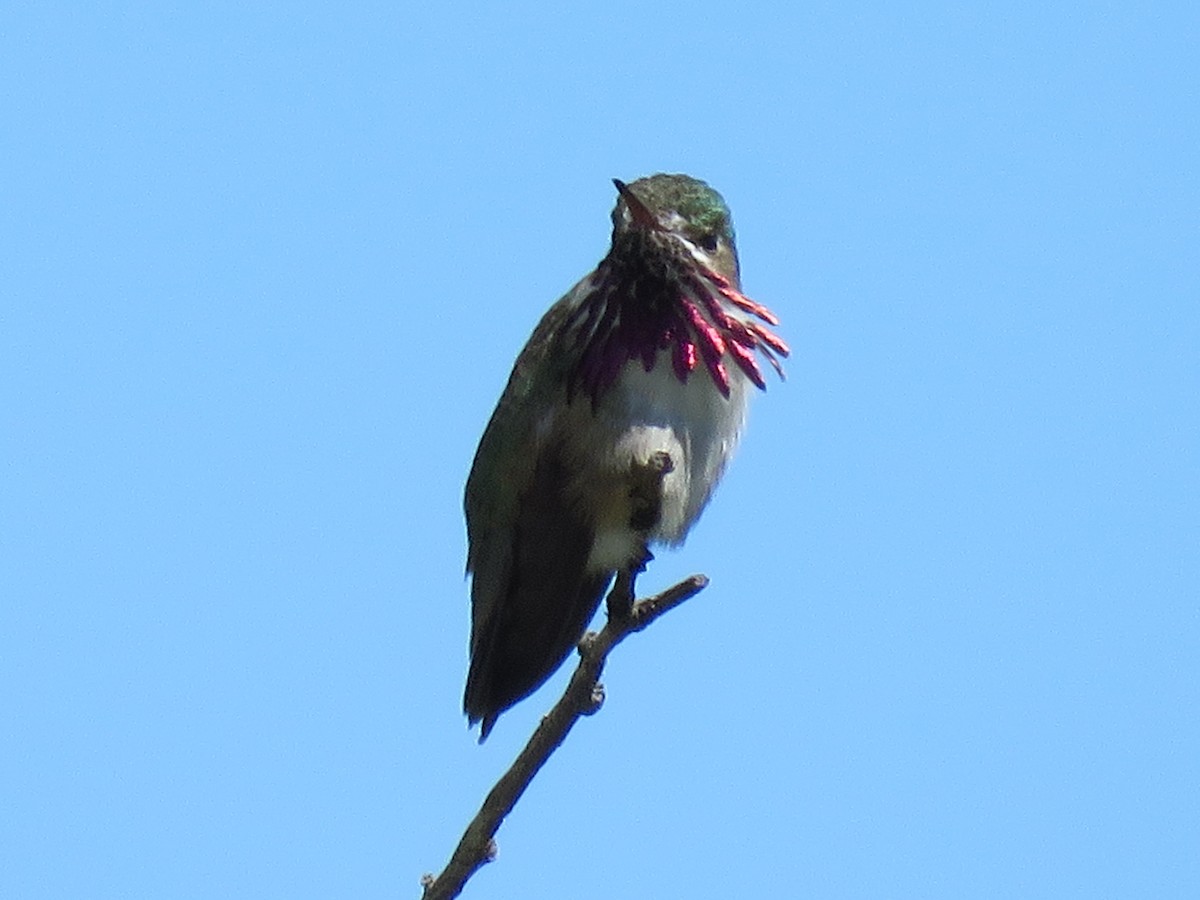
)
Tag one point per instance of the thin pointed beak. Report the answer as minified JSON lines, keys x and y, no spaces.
{"x":637,"y":209}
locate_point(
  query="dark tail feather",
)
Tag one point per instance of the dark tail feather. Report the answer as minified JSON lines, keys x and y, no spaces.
{"x":537,"y":628}
{"x":540,"y":605}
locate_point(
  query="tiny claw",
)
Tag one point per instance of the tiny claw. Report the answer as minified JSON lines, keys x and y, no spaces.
{"x":620,"y":598}
{"x":627,"y":579}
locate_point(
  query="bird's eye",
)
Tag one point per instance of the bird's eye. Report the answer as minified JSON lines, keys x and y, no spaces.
{"x":708,"y":242}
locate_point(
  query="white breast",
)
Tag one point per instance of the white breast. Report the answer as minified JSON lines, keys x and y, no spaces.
{"x":649,"y":412}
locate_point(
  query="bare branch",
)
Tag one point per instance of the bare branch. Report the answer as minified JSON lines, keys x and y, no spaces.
{"x":583,"y":696}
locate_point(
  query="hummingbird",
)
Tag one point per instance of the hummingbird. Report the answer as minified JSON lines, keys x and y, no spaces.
{"x":617,"y":421}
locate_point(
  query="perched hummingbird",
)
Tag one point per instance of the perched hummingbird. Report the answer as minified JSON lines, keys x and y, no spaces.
{"x":616,"y":423}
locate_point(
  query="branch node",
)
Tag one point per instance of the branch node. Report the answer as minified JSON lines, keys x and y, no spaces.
{"x":592,"y":705}
{"x":586,"y":643}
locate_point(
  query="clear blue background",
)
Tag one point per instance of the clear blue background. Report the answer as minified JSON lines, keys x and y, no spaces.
{"x":264,"y":271}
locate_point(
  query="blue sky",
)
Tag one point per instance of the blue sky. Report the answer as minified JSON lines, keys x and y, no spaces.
{"x":265,"y":271}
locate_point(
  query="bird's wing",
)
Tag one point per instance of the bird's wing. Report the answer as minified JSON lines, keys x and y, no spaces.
{"x":504,"y":460}
{"x":528,"y":615}
{"x":524,"y":543}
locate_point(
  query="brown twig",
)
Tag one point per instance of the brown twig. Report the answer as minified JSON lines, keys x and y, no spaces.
{"x":583,"y":696}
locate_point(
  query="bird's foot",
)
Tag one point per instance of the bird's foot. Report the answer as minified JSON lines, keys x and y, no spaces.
{"x":620,"y":598}
{"x":646,"y":490}
{"x":624,"y":590}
